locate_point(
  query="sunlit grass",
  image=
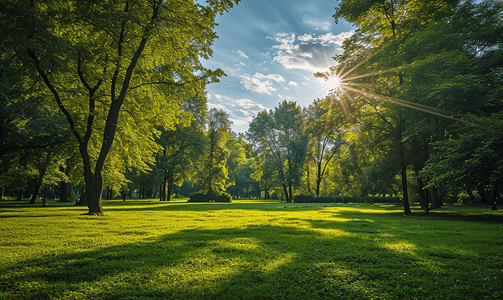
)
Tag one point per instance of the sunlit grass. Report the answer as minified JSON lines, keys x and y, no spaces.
{"x":249,"y":250}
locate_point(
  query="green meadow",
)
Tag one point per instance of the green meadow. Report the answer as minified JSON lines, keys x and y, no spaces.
{"x":146,"y":249}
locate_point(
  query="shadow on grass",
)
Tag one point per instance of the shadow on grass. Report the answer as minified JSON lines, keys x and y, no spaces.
{"x":257,"y":262}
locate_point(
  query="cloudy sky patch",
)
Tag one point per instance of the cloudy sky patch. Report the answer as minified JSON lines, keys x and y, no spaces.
{"x":269,"y":50}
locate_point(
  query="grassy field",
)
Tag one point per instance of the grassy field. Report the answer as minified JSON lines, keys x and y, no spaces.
{"x":249,"y":250}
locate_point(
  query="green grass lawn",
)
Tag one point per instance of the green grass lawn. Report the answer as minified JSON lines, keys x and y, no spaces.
{"x":146,"y":249}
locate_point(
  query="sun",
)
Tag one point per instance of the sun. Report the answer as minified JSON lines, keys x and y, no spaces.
{"x":333,"y":83}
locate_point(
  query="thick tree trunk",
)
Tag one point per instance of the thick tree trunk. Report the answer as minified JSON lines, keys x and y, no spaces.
{"x":94,"y":195}
{"x":285,"y":189}
{"x":34,"y":195}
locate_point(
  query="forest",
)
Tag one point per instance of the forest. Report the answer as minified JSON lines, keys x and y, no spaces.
{"x":102,"y":101}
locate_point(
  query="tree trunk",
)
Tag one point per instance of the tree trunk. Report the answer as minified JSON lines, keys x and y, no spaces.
{"x":318,"y":179}
{"x":41,"y":174}
{"x":487,"y":198}
{"x":34,"y":195}
{"x":162,"y":192}
{"x":63,"y":196}
{"x":94,"y":195}
{"x":170,"y":186}
{"x":290,"y":196}
{"x":436,"y":199}
{"x":308,"y":180}
{"x":83,"y":199}
{"x":403,"y":167}
{"x":285,"y":189}
{"x":423,"y":195}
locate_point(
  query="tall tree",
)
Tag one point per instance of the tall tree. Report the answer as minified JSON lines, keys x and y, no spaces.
{"x":213,"y":170}
{"x":181,"y":149}
{"x":324,"y":126}
{"x":385,"y":29}
{"x":279,"y":135}
{"x":103,"y":60}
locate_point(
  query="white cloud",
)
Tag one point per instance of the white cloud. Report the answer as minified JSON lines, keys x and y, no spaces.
{"x":286,"y":40}
{"x":313,"y":57}
{"x":241,"y":111}
{"x":218,"y":106}
{"x":305,"y":38}
{"x":330,"y":38}
{"x":293,"y":83}
{"x":275,"y":77}
{"x":313,"y":53}
{"x":249,"y":105}
{"x":242,"y":54}
{"x":261,"y":83}
{"x":240,"y":121}
{"x":256,"y":85}
{"x":319,"y":25}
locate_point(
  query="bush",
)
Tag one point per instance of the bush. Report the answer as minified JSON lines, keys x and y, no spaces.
{"x":343,"y":199}
{"x":213,"y":197}
{"x":383,"y":200}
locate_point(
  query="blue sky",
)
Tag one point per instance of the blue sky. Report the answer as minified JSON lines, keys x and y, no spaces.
{"x":269,"y":50}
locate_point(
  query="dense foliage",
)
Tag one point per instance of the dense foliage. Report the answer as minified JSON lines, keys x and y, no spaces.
{"x":417,"y":115}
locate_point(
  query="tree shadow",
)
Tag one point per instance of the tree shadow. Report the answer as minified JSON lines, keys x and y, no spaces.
{"x":255,"y":262}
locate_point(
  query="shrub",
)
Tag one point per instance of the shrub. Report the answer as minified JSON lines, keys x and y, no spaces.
{"x":343,"y":199}
{"x":213,"y":197}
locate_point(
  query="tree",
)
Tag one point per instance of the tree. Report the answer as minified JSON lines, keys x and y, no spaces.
{"x":101,"y":61}
{"x":213,"y":170}
{"x":473,"y":159}
{"x":237,"y":156}
{"x":278,"y":135}
{"x":265,"y":173}
{"x":180,"y":153}
{"x":324,"y":126}
{"x":439,"y":59}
